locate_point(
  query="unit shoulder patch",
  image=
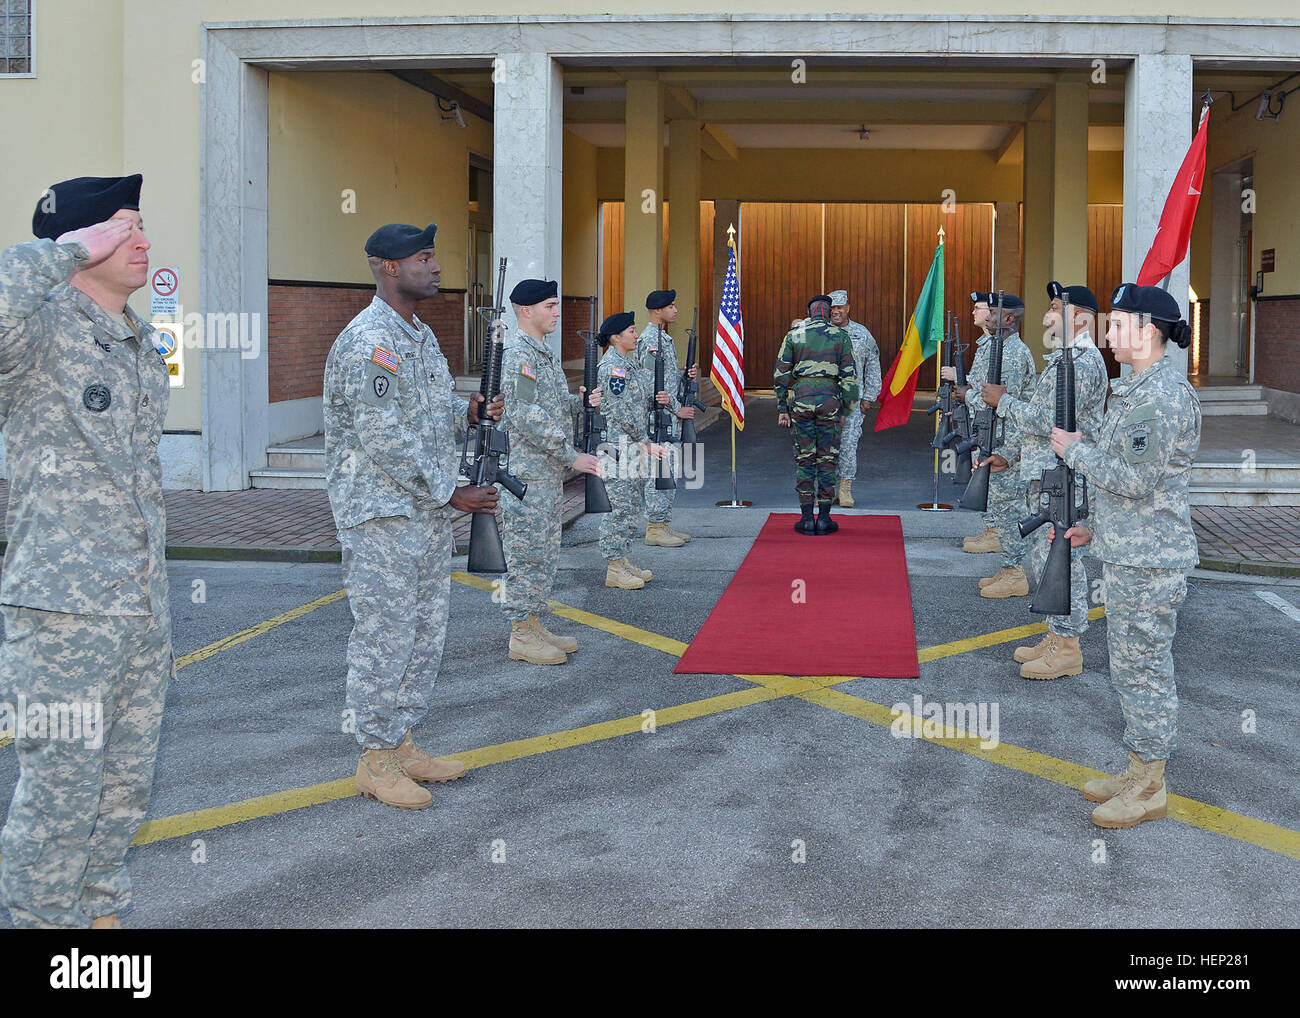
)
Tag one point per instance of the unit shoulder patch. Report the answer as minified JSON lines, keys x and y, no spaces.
{"x":617,"y":381}
{"x":1140,"y":431}
{"x":526,"y":384}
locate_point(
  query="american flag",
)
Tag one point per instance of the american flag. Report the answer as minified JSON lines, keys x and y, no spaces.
{"x":728,"y":370}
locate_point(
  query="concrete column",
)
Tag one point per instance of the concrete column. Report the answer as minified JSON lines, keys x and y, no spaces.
{"x":1006,"y":247}
{"x":1069,"y":188}
{"x":1225,"y":305}
{"x":1157,"y":131}
{"x":1038,"y":230}
{"x":643,"y":191}
{"x":527,"y":157}
{"x":684,"y":222}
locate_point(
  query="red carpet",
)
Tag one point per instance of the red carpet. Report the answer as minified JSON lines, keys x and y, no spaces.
{"x":852,"y":615}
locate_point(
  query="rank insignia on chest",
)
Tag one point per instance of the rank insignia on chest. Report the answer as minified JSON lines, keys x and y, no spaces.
{"x":617,"y":381}
{"x":386,"y":359}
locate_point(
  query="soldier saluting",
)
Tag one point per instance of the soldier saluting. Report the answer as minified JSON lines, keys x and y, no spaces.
{"x":83,"y":394}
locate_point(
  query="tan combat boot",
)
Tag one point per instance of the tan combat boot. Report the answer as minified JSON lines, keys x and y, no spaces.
{"x":106,"y":922}
{"x":616,"y":575}
{"x":565,"y":643}
{"x":1014,"y":583}
{"x":657,"y":535}
{"x":1101,"y":789}
{"x":645,"y":574}
{"x":420,"y":766}
{"x":1063,"y":657}
{"x":982,"y":543}
{"x":677,"y":533}
{"x":380,"y":776}
{"x":986,"y":580}
{"x":528,"y":644}
{"x":1030,"y":651}
{"x":1143,"y":797}
{"x":845,"y":497}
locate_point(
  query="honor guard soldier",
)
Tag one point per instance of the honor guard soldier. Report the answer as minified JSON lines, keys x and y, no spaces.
{"x":391,"y":423}
{"x":654,"y":337}
{"x":1006,"y":501}
{"x":538,"y":420}
{"x":1138,"y":469}
{"x":87,"y":624}
{"x":1058,"y":653}
{"x":628,"y":382}
{"x":815,"y":384}
{"x":866,"y":363}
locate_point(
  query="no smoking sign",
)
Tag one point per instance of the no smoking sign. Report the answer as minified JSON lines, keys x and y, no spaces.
{"x":164,"y":286}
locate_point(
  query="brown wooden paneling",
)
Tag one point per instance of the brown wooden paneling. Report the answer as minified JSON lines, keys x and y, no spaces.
{"x":1105,"y":264}
{"x":864,"y":255}
{"x":611,"y":297}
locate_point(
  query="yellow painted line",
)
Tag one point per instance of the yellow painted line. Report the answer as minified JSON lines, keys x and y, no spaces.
{"x":203,"y":653}
{"x":1237,"y":826}
{"x":184,"y":824}
{"x":991,"y":639}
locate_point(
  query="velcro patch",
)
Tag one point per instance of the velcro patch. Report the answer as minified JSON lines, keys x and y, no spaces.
{"x":386,"y":358}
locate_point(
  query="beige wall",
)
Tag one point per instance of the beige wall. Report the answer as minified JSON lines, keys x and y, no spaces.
{"x":581,"y":237}
{"x":379,"y":138}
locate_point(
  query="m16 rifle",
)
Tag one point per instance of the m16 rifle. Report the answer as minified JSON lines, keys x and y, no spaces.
{"x":986,"y":427}
{"x":591,"y":422}
{"x":954,"y":420}
{"x":688,"y":388}
{"x":491,"y":445}
{"x":1063,"y":498}
{"x":660,"y":426}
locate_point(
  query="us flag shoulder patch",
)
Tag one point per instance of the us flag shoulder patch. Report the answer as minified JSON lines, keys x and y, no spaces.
{"x":527,"y":371}
{"x":618,"y":372}
{"x":386,"y":359}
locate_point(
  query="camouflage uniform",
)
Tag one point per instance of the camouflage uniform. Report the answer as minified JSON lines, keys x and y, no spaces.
{"x":866,"y":361}
{"x":538,"y":417}
{"x":391,"y":424}
{"x":815,"y":381}
{"x":627,"y":387}
{"x":659,"y":504}
{"x":83,"y":395}
{"x":1034,"y":421}
{"x":1007,"y":490}
{"x":1138,"y":470}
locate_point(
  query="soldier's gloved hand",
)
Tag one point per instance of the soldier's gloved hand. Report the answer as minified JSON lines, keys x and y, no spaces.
{"x":101,"y":240}
{"x":783,"y":420}
{"x":593,"y":399}
{"x":471,"y":499}
{"x":1078,"y":534}
{"x":587,"y":463}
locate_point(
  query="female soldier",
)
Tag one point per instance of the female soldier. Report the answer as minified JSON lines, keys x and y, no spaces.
{"x":627,"y":411}
{"x":1138,"y":471}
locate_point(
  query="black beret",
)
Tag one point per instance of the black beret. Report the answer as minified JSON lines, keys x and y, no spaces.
{"x":399,"y":240}
{"x":821,"y":298}
{"x":1079,"y":296}
{"x":615,"y":324}
{"x":1009,"y":300}
{"x":533,"y":291}
{"x":1146,"y":300}
{"x":84,"y":201}
{"x":657,"y":299}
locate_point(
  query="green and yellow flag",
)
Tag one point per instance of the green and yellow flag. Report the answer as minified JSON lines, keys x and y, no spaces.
{"x":922,"y":339}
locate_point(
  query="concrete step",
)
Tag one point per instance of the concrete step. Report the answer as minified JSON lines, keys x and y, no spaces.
{"x":1244,"y":495}
{"x":288,"y":477}
{"x":1231,"y":473}
{"x":296,"y":458}
{"x":1234,"y":407}
{"x":1219,"y":393}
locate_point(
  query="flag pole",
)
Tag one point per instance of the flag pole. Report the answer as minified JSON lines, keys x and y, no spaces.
{"x":736,"y":502}
{"x":935,"y":506}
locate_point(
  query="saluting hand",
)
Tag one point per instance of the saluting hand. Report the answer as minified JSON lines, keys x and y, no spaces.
{"x":472,"y":499}
{"x":1062,"y":440}
{"x":101,"y":240}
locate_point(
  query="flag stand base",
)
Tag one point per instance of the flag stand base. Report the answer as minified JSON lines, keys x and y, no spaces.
{"x":733,"y":504}
{"x":935,"y":507}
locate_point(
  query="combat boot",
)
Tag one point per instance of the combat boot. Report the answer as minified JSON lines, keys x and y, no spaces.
{"x":982,"y":543}
{"x":1101,"y":789}
{"x":616,"y":575}
{"x":805,"y":523}
{"x":824,"y":524}
{"x":380,"y":776}
{"x":420,"y":766}
{"x":645,"y":574}
{"x":657,"y":535}
{"x":1014,"y":583}
{"x":106,"y":922}
{"x":986,"y":580}
{"x":1143,"y":797}
{"x":846,"y":492}
{"x":1063,"y":657}
{"x":527,"y":644}
{"x":1029,"y":651}
{"x":676,"y":533}
{"x":565,"y":643}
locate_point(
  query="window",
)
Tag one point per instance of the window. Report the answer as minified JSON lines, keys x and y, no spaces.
{"x":15,"y":37}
